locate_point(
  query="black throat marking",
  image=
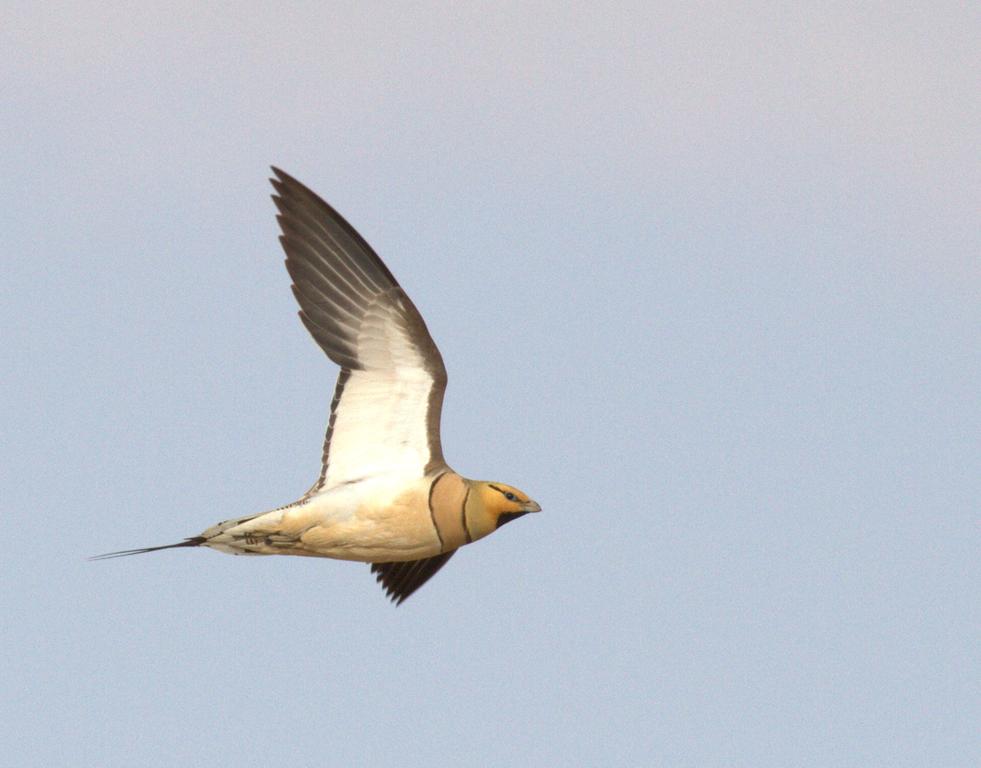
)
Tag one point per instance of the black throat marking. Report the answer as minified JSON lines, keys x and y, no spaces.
{"x":507,"y":517}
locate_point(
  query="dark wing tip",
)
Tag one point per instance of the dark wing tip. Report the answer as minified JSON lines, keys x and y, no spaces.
{"x":286,"y":186}
{"x":281,"y":176}
{"x":401,"y":579}
{"x":290,"y":191}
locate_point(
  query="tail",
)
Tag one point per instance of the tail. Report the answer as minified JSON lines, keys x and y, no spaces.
{"x":195,"y":541}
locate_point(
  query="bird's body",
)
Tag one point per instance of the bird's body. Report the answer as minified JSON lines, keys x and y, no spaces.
{"x":385,"y":494}
{"x":380,"y":519}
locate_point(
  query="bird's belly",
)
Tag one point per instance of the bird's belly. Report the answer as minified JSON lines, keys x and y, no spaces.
{"x":376,"y":523}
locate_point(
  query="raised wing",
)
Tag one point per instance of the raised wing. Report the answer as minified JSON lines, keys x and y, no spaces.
{"x":384,"y":417}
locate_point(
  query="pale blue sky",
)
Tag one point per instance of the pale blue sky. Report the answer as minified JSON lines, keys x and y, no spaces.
{"x":707,"y":285}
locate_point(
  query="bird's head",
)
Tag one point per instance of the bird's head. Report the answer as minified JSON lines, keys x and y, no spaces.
{"x":490,"y":505}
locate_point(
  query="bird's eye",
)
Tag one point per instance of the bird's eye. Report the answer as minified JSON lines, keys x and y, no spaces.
{"x":509,"y":496}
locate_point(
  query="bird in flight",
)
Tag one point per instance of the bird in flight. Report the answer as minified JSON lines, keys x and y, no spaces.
{"x":385,"y":494}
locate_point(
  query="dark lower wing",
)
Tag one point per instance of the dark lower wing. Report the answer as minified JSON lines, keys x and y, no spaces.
{"x":402,"y":579}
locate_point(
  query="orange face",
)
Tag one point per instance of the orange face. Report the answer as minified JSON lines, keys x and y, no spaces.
{"x":505,"y":503}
